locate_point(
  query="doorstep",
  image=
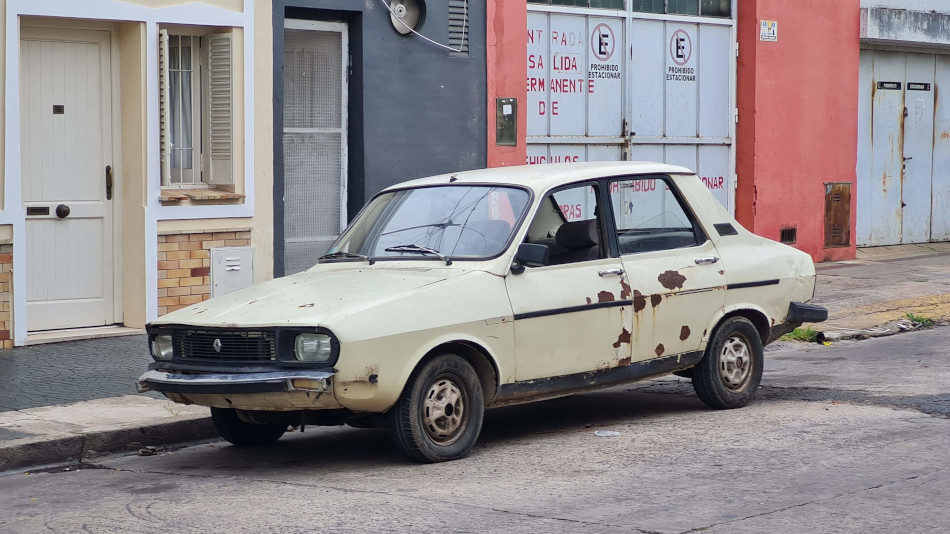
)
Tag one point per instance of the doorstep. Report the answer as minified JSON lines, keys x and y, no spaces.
{"x":74,"y":334}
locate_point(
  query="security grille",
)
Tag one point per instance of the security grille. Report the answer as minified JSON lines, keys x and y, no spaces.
{"x":248,"y":346}
{"x":314,"y":140}
{"x":789,"y":235}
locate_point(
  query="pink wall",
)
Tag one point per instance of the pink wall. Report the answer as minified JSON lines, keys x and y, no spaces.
{"x":798,"y":110}
{"x":507,"y":57}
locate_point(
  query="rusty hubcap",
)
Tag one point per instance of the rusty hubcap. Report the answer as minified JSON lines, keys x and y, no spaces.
{"x":735,"y":363}
{"x":443,"y":410}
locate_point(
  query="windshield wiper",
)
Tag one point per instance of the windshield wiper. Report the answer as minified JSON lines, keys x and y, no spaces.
{"x":340,"y":254}
{"x":420,"y":250}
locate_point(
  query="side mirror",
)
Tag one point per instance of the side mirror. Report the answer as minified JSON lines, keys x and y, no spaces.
{"x":530,"y":255}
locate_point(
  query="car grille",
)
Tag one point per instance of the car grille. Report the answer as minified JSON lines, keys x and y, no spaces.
{"x":245,"y":346}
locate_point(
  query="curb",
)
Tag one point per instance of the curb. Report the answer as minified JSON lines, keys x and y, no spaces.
{"x":77,"y":448}
{"x":889,"y":329}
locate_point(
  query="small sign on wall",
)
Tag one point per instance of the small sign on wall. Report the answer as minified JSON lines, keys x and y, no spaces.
{"x":768,"y":30}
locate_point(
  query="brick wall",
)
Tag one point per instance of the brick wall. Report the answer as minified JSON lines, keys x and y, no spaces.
{"x":184,"y":264}
{"x":6,"y":295}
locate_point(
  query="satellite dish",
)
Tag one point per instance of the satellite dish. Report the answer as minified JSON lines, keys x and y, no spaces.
{"x":407,"y":15}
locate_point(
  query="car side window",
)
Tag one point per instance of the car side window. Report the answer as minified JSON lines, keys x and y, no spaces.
{"x":567,"y":222}
{"x":649,"y":216}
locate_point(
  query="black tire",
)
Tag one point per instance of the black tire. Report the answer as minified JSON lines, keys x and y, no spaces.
{"x":729,"y":374}
{"x":244,"y":434}
{"x":439,"y":415}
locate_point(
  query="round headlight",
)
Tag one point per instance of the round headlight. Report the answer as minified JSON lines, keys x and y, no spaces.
{"x":162,"y":347}
{"x":315,"y":348}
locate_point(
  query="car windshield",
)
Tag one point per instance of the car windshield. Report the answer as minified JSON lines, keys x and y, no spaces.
{"x":441,"y":222}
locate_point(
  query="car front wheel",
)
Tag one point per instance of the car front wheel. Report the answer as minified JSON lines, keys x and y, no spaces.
{"x":231,"y":427}
{"x":439,"y":415}
{"x":730,"y":372}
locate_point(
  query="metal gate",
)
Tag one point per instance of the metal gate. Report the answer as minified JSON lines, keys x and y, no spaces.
{"x":903,"y":149}
{"x":314,"y":139}
{"x":612,"y":85}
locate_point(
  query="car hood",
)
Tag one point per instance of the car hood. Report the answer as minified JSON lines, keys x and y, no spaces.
{"x":312,"y":298}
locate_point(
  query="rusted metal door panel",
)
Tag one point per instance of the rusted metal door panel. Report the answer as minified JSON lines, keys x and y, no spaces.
{"x":918,"y":148}
{"x":940,"y":201}
{"x":676,"y":288}
{"x":837,"y":215}
{"x":887,"y":155}
{"x":574,"y":315}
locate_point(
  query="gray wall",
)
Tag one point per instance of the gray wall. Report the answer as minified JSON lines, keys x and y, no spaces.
{"x":414,"y":109}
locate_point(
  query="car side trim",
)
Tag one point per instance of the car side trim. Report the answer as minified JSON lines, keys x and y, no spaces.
{"x":573,"y":309}
{"x":760,"y":283}
{"x":540,"y":388}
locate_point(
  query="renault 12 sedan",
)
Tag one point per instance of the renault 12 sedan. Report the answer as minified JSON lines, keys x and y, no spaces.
{"x":451,"y":294}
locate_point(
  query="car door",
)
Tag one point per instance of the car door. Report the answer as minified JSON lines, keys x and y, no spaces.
{"x":574,"y":314}
{"x":677,"y":279}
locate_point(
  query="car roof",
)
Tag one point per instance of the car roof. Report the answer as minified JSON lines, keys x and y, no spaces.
{"x":548,"y":175}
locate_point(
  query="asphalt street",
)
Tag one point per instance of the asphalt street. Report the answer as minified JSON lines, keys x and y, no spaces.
{"x":851,"y":437}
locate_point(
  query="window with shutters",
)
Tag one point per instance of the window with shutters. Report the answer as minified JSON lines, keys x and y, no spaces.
{"x":195,"y":109}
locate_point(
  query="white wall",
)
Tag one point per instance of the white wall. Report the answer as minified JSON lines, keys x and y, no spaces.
{"x":940,"y":6}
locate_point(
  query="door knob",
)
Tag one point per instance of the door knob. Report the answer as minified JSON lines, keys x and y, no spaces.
{"x":62,"y":211}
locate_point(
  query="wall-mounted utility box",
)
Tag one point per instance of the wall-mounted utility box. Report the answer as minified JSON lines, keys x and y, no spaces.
{"x":506,"y":121}
{"x":837,"y":215}
{"x":232,"y":268}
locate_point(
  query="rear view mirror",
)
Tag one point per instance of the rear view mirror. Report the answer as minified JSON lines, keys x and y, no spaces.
{"x":530,"y":255}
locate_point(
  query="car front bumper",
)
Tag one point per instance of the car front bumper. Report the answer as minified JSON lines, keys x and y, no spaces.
{"x":235,"y":383}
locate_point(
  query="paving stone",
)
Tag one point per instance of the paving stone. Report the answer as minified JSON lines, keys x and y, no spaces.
{"x":62,"y":373}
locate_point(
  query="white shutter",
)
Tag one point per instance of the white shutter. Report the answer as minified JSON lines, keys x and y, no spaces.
{"x":163,"y":106}
{"x":219,"y":109}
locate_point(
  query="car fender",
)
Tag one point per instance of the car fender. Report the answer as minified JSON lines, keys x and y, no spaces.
{"x":368,"y":381}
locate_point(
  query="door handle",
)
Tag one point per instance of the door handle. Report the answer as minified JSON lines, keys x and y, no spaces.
{"x":108,"y":182}
{"x":611,"y":272}
{"x":62,"y":211}
{"x":710,"y":259}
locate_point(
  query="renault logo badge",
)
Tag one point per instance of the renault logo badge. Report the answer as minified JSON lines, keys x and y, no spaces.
{"x":217,"y":345}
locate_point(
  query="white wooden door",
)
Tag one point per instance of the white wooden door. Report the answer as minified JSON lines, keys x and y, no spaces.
{"x":66,"y":142}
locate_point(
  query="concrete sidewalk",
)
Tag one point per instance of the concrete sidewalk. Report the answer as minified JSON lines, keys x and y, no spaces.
{"x":872,"y":295}
{"x":68,"y":402}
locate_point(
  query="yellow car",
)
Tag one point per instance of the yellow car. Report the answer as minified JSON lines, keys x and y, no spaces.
{"x":455,"y":293}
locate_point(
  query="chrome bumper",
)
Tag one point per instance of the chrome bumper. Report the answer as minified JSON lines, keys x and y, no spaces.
{"x":167,"y":382}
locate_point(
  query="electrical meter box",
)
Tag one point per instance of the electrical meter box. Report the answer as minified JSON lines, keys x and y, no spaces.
{"x":232,"y":268}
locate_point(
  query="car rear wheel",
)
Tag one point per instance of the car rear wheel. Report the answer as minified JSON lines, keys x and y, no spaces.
{"x":439,"y":415}
{"x":730,"y":372}
{"x":231,"y":427}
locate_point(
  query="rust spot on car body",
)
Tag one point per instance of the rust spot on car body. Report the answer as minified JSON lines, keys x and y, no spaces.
{"x":656,"y":299}
{"x":671,"y":280}
{"x":589,"y":301}
{"x":660,"y":349}
{"x":624,"y":289}
{"x":624,"y":337}
{"x":606,"y":296}
{"x":639,"y":301}
{"x":722,"y":272}
{"x":623,"y":362}
{"x":684,"y":333}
